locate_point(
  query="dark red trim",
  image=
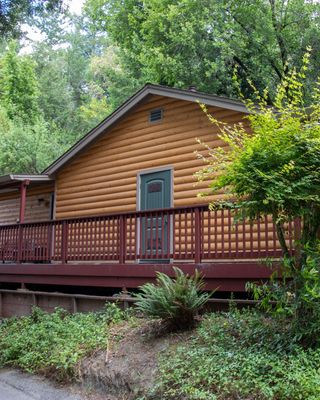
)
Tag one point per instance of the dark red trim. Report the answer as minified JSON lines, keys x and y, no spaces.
{"x":23,"y":199}
{"x":192,"y":231}
{"x":229,"y":276}
{"x":197,"y":236}
{"x":122,"y":239}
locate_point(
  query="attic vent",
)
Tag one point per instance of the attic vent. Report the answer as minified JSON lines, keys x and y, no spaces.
{"x":156,"y":115}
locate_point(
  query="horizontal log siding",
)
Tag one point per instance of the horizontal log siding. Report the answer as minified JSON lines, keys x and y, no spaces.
{"x":35,"y":212}
{"x":103,"y":178}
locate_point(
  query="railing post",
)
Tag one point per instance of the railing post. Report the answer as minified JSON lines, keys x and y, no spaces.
{"x":122,"y":239}
{"x":49,"y":242}
{"x":64,"y":242}
{"x":20,"y":241}
{"x":197,"y":236}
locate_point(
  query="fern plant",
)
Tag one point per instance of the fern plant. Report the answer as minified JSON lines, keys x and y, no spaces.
{"x":175,"y":301}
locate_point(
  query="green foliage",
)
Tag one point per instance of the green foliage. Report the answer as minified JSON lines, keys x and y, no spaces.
{"x":307,"y":305}
{"x":27,"y":147}
{"x":28,"y":142}
{"x":14,"y":12}
{"x":48,"y":96}
{"x":176,"y":301}
{"x":187,"y":42}
{"x":94,"y":112}
{"x":67,"y":87}
{"x":84,"y":66}
{"x":113,"y":314}
{"x":295,"y":295}
{"x":275,"y":170}
{"x":54,"y":343}
{"x":239,"y":355}
{"x":18,"y":85}
{"x":111,"y":77}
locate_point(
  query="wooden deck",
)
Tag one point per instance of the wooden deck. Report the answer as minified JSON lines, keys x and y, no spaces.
{"x":224,"y":276}
{"x":126,"y":250}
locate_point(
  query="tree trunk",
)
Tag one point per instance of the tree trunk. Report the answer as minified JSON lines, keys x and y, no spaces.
{"x":281,"y":238}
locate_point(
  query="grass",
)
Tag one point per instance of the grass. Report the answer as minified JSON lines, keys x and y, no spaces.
{"x":241,"y":356}
{"x":53,"y":344}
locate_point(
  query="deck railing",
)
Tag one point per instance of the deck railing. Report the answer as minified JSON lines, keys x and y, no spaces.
{"x":192,"y":234}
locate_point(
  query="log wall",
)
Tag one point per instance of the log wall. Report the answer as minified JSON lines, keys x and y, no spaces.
{"x":103,"y":178}
{"x":35,"y":211}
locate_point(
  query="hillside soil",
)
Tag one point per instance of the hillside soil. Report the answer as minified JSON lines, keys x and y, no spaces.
{"x":129,"y":366}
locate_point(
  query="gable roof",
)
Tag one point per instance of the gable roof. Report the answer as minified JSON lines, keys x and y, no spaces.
{"x":133,"y":101}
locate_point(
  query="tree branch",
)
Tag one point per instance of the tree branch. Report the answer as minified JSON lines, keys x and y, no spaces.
{"x":280,"y":234}
{"x":253,"y":44}
{"x":276,"y":26}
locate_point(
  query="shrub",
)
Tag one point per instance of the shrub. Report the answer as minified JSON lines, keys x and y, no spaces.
{"x":239,"y":355}
{"x":295,"y":295}
{"x":53,"y":344}
{"x":175,"y":301}
{"x":275,"y":170}
{"x":113,"y":314}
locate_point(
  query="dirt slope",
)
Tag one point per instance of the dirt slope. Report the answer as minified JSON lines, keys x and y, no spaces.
{"x":129,"y":367}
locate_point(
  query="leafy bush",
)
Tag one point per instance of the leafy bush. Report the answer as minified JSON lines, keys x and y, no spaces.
{"x":113,"y":314}
{"x":239,"y":355}
{"x":54,"y":343}
{"x":175,"y":301}
{"x":295,"y":295}
{"x":306,"y":324}
{"x":274,"y":170}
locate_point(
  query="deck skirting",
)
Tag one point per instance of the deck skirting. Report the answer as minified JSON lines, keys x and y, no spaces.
{"x":223,"y":276}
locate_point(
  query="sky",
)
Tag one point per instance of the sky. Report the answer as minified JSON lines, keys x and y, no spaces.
{"x":75,"y":6}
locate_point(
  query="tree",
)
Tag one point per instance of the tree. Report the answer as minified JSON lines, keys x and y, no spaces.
{"x":68,"y":89}
{"x":27,"y":147}
{"x":275,"y":169}
{"x":111,"y":78}
{"x":18,"y":84}
{"x":187,"y":42}
{"x":48,"y":97}
{"x":15,"y":12}
{"x":55,"y":94}
{"x":28,"y":143}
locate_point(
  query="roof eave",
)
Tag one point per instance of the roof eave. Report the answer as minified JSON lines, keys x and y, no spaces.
{"x":16,"y":178}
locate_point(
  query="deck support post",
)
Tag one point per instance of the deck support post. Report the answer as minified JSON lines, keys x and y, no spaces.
{"x":74,"y":305}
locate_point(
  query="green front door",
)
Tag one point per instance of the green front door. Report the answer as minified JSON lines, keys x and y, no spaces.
{"x":155,"y":193}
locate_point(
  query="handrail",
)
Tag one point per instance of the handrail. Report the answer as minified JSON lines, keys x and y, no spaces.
{"x":114,"y":214}
{"x":189,"y":233}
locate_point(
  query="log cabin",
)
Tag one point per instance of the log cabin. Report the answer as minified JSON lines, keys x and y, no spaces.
{"x":122,"y":204}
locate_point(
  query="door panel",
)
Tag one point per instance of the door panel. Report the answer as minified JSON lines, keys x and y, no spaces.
{"x":155,"y":193}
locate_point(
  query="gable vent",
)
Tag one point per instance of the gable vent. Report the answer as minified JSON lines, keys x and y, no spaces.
{"x":156,"y":115}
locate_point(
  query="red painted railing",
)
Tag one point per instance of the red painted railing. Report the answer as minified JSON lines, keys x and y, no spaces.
{"x":192,"y":234}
